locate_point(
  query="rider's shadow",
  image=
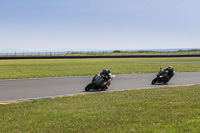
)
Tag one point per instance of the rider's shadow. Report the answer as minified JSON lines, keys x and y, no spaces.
{"x":160,"y":84}
{"x":95,"y":90}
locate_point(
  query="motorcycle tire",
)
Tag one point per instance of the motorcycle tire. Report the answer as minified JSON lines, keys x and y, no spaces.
{"x":154,"y":81}
{"x":89,"y":86}
{"x":104,"y":88}
{"x":165,"y":82}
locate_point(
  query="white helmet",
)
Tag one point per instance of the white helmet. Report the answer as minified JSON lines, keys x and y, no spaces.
{"x":169,"y":67}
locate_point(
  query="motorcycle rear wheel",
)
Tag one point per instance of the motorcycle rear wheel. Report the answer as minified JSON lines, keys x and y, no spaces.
{"x":104,"y":88}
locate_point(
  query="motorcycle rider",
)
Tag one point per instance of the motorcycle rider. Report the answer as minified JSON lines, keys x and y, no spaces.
{"x":106,"y":74}
{"x":170,"y":72}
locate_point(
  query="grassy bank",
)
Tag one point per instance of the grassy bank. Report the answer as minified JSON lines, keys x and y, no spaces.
{"x":115,"y":52}
{"x":174,"y":109}
{"x":38,"y":68}
{"x":118,"y":52}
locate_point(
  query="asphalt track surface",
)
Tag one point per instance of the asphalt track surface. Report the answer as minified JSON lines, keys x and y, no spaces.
{"x":40,"y":88}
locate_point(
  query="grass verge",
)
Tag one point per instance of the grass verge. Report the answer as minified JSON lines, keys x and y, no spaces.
{"x":174,"y":109}
{"x":39,"y":68}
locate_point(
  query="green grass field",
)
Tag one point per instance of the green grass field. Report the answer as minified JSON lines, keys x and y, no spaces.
{"x":174,"y":109}
{"x":35,"y":68}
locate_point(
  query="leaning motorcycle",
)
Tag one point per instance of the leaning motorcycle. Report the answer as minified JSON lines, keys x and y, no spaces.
{"x":98,"y":83}
{"x":161,"y":77}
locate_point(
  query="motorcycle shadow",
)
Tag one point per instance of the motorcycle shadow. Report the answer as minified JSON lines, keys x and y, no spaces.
{"x":95,"y":90}
{"x":160,"y":84}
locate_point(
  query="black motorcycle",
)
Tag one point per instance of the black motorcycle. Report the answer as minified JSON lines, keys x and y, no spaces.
{"x":98,"y":83}
{"x":161,"y":77}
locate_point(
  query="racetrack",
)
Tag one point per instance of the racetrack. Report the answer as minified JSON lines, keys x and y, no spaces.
{"x":30,"y":89}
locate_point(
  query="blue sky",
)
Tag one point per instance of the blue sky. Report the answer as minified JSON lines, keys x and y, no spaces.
{"x":50,"y":25}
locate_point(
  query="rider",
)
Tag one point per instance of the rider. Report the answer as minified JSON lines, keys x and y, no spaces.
{"x":106,"y":74}
{"x":170,"y":72}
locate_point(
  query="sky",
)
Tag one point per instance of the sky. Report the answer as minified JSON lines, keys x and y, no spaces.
{"x":65,"y":25}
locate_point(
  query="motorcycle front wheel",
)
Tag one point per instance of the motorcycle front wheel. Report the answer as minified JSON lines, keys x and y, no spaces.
{"x":89,"y":86}
{"x":154,"y":81}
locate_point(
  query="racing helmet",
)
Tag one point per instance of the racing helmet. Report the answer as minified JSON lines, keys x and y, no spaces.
{"x":105,"y":72}
{"x":169,"y":67}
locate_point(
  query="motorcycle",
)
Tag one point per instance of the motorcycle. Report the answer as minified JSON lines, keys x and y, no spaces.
{"x":98,"y":83}
{"x":161,"y":77}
